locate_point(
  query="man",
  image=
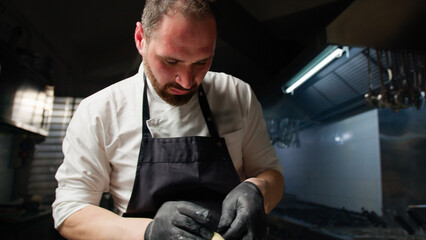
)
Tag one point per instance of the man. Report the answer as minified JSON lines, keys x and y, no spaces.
{"x":183,"y":151}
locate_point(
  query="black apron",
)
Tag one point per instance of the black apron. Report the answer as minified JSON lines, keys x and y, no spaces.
{"x":195,"y":169}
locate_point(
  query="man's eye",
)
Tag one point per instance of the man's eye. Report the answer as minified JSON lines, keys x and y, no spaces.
{"x":171,"y":62}
{"x":202,"y":63}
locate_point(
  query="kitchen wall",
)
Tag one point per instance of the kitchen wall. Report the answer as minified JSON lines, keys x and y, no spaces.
{"x":337,"y":164}
{"x":6,"y":173}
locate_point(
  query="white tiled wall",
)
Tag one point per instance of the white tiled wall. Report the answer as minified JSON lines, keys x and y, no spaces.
{"x":337,"y":165}
{"x":6,"y":173}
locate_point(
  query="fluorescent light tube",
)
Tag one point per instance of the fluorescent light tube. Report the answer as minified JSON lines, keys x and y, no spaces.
{"x":299,"y":79}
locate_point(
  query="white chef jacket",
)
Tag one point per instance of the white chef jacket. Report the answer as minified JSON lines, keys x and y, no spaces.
{"x":102,"y":141}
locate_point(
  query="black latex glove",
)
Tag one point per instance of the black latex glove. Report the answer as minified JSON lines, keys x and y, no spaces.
{"x":243,"y":214}
{"x":179,"y":220}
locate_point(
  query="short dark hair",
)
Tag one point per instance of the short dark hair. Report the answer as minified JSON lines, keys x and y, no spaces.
{"x":154,"y":10}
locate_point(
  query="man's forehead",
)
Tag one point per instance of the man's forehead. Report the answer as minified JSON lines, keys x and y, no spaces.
{"x":178,"y":24}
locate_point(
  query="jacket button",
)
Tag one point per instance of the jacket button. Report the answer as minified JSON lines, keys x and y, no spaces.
{"x":219,"y":144}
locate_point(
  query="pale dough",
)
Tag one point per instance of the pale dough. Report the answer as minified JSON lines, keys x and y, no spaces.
{"x":217,"y":236}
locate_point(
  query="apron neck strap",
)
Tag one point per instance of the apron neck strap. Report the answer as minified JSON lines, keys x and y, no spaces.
{"x":145,"y":112}
{"x":204,"y":105}
{"x":205,"y":108}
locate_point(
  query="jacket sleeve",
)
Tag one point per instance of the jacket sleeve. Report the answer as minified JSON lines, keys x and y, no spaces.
{"x":257,"y":152}
{"x":84,"y":173}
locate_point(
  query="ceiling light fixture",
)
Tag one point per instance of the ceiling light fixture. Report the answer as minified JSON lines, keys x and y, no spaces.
{"x":325,"y":57}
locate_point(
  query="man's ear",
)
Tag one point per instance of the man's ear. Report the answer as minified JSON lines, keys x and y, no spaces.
{"x":139,"y":37}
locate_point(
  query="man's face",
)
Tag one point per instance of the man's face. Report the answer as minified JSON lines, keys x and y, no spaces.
{"x":178,"y":55}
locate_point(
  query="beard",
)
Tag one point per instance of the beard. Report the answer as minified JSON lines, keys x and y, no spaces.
{"x":172,"y":99}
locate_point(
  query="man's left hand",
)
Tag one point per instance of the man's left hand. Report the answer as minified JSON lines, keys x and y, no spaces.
{"x":243,"y":214}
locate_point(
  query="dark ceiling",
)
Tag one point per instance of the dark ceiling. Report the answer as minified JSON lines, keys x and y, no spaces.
{"x":84,"y":46}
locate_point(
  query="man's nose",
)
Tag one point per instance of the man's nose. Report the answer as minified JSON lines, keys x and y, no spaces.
{"x":185,"y":78}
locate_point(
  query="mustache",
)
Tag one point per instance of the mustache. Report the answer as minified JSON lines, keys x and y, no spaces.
{"x":179,"y":87}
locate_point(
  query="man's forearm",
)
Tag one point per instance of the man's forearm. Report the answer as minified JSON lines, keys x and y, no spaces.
{"x":271,"y":184}
{"x":94,"y":222}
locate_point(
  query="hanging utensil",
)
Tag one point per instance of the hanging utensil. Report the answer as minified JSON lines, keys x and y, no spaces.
{"x":382,"y":98}
{"x":420,"y":62}
{"x":390,"y":74}
{"x":369,"y":96}
{"x":409,"y":93}
{"x":392,"y":86}
{"x":400,"y":95}
{"x":410,"y":76}
{"x":415,"y":90}
{"x":394,"y":97}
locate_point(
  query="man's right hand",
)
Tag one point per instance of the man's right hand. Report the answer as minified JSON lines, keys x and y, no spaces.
{"x":179,"y":220}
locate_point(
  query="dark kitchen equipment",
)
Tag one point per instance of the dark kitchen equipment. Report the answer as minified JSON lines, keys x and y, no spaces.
{"x":405,"y":86}
{"x":418,"y":214}
{"x":404,"y":224}
{"x":374,"y":218}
